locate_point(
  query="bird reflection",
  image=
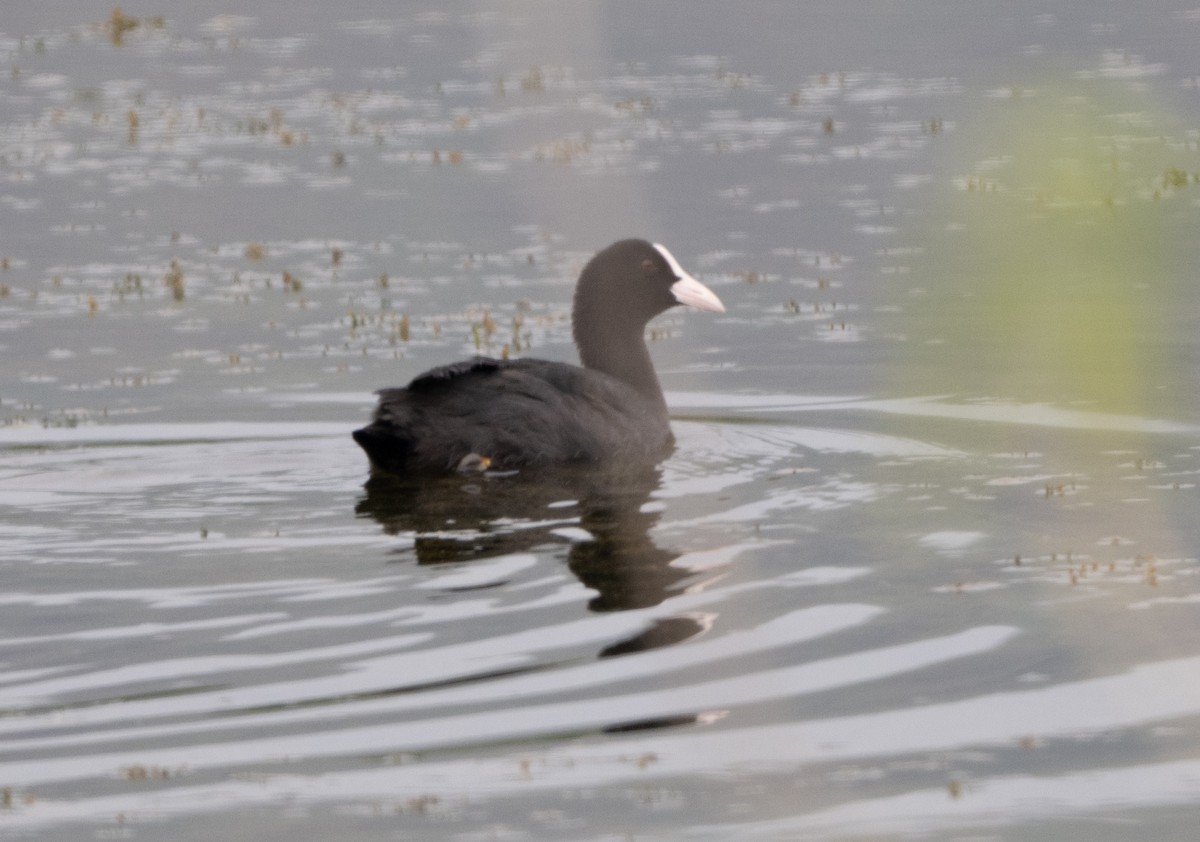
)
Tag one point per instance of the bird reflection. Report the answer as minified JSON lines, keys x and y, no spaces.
{"x":480,"y":515}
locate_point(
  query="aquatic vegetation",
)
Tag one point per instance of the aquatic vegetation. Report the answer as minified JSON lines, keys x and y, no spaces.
{"x":174,"y":280}
{"x":118,"y":24}
{"x":1047,"y":281}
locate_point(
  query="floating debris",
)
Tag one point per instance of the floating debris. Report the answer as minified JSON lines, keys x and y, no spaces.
{"x":138,"y":772}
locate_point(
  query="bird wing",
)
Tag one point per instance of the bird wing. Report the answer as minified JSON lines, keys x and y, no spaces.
{"x":442,"y":375}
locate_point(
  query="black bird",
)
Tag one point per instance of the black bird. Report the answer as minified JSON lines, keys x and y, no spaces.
{"x":508,"y":414}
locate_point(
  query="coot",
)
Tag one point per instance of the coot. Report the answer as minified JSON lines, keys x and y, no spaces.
{"x":509,"y":414}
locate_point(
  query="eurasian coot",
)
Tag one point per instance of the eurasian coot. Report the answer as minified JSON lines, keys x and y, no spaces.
{"x":508,"y":414}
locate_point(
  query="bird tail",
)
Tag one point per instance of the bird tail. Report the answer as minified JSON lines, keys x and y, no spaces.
{"x":386,"y":446}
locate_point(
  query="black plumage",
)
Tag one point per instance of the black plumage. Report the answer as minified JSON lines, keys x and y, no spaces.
{"x":529,"y":412}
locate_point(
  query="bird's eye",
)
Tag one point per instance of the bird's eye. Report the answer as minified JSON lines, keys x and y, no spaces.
{"x":648,"y":265}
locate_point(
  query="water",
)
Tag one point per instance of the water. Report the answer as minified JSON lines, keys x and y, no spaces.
{"x":923,"y":563}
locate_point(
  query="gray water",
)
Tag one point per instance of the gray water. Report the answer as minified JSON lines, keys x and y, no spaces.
{"x":922,"y":565}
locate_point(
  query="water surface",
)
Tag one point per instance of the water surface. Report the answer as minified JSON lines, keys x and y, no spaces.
{"x":923,"y":563}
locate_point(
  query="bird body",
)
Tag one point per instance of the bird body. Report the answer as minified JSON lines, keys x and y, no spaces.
{"x":496,"y":408}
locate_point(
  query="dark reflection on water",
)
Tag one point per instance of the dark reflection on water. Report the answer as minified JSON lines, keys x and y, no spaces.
{"x":606,"y":515}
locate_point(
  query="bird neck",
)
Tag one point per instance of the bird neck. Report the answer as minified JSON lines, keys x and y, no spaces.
{"x":621,"y":354}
